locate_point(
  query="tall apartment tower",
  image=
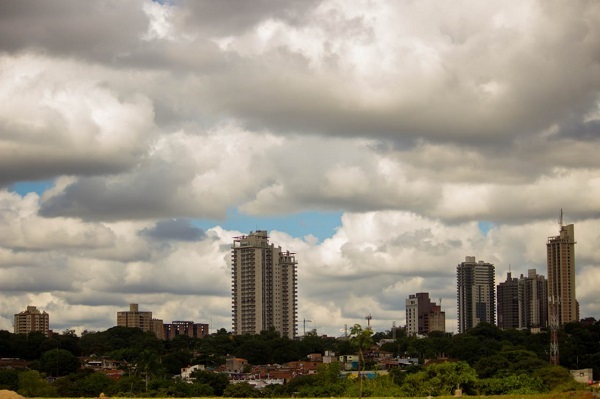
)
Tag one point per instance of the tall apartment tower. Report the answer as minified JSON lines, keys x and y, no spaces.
{"x":31,"y":320}
{"x":509,"y":303}
{"x":423,"y":316}
{"x":264,"y":286}
{"x":561,"y":274}
{"x":135,"y":318}
{"x":534,"y":309}
{"x":475,"y":286}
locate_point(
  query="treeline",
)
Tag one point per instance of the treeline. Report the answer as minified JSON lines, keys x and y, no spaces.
{"x":485,"y":360}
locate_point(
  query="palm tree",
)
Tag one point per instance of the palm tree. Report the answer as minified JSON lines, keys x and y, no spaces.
{"x":362,"y":340}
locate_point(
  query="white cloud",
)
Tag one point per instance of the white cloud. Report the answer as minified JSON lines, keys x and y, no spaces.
{"x":417,"y":120}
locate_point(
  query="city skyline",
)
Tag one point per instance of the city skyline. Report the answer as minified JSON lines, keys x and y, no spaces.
{"x":380,"y":142}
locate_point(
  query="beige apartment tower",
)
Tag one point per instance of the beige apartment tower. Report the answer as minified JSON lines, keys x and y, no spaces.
{"x":561,"y":275}
{"x":264,"y":286}
{"x":31,"y":320}
{"x":135,"y":318}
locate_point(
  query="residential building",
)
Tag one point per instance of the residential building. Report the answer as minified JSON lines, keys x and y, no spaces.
{"x":31,"y":320}
{"x":534,"y":302}
{"x":135,"y":318}
{"x":475,"y":293}
{"x":158,"y":328}
{"x":509,"y":301}
{"x":423,"y":316}
{"x":264,"y":286}
{"x":561,"y":275}
{"x":187,"y":328}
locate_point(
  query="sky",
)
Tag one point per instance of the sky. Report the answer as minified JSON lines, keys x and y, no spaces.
{"x":381,"y":141}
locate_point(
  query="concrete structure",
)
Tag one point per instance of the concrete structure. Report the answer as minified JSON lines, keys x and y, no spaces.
{"x":186,"y":372}
{"x":423,"y":316}
{"x":509,"y":296}
{"x":135,"y":318}
{"x":534,"y":300}
{"x":31,"y":320}
{"x":584,"y":376}
{"x":561,"y":274}
{"x":158,"y":328}
{"x":187,"y":328}
{"x":476,"y":294}
{"x":523,"y":302}
{"x":264,"y":286}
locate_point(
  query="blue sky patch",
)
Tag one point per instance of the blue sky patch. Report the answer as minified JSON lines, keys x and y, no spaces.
{"x":25,"y":187}
{"x":320,"y":224}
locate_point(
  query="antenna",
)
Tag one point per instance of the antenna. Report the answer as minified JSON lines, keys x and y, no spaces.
{"x":368,"y":320}
{"x":560,"y":220}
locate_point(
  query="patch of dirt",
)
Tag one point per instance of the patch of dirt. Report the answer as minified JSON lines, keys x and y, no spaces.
{"x":6,"y":394}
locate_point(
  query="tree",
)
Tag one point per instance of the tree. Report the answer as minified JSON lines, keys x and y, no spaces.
{"x":31,"y":384}
{"x":148,"y":363}
{"x":9,"y":379}
{"x":444,"y":378}
{"x":360,"y":339}
{"x":58,"y":362}
{"x":241,"y":390}
{"x":217,"y":381}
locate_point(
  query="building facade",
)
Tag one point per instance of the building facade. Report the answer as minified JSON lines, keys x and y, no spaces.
{"x":509,"y":303}
{"x":561,"y":275}
{"x":423,"y":316}
{"x":187,"y":328}
{"x":476,"y":293}
{"x":264,"y":286}
{"x":534,"y":311}
{"x":135,"y":318}
{"x":31,"y":320}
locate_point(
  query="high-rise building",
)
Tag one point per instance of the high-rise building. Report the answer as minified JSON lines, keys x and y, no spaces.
{"x":264,"y":286}
{"x":135,"y":318}
{"x":423,"y":316}
{"x":561,"y":275}
{"x":534,"y":309}
{"x":31,"y":320}
{"x":509,"y":301}
{"x":476,"y":295}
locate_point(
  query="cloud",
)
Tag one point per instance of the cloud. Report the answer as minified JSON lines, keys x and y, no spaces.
{"x":416,"y":121}
{"x":175,"y":229}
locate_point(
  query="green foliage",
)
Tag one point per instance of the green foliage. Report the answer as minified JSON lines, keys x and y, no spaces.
{"x":511,"y":385}
{"x":58,"y":362}
{"x":9,"y":379}
{"x":217,"y":381}
{"x":490,"y":366}
{"x":84,"y":383}
{"x":440,"y":379}
{"x":241,"y":390}
{"x":31,"y":384}
{"x":378,"y":386}
{"x":555,"y":378}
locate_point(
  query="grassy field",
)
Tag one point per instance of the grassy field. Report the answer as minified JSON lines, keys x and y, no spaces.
{"x":561,"y":395}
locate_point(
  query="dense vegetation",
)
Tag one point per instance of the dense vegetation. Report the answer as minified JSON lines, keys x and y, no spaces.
{"x":486,"y":360}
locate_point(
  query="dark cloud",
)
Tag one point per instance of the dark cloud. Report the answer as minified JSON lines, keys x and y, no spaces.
{"x":227,"y":17}
{"x":99,"y":30}
{"x":174,"y":229}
